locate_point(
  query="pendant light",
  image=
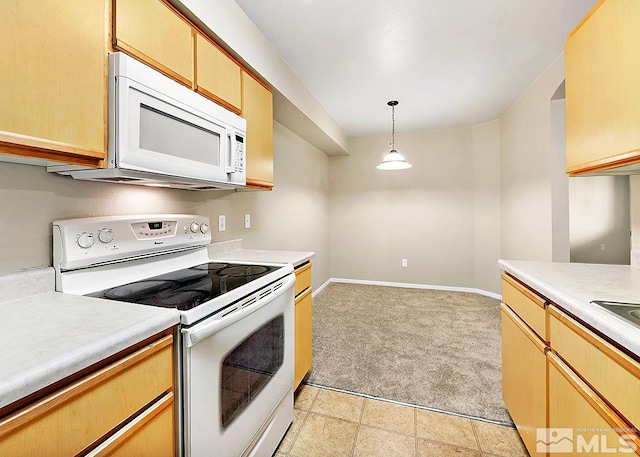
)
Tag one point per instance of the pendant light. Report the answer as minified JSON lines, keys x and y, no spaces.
{"x":393,"y":160}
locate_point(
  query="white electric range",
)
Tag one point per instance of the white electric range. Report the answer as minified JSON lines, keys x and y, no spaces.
{"x":234,"y":345}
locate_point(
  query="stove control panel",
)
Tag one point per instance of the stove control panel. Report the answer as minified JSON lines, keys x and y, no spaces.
{"x":78,"y":243}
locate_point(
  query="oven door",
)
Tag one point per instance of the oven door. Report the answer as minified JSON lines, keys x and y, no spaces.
{"x":236,"y":371}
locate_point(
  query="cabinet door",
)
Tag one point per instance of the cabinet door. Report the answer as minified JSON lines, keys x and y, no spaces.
{"x":53,"y":80}
{"x":524,"y":377}
{"x":217,"y":75}
{"x":586,"y":425}
{"x":602,"y":60}
{"x":303,"y":336}
{"x":151,"y":433}
{"x":72,"y":418}
{"x":257,"y":109}
{"x":154,"y":33}
{"x":612,"y":373}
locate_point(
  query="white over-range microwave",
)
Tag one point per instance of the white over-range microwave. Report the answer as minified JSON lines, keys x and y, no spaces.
{"x":161,"y":133}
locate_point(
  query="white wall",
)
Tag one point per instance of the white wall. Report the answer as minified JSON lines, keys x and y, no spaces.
{"x":526,"y":183}
{"x":486,"y":205}
{"x":560,"y":244}
{"x":294,"y":216}
{"x":442,"y":215}
{"x":634,"y":196}
{"x":599,"y":215}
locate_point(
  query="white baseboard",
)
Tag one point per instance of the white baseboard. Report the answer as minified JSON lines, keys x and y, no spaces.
{"x":407,"y":285}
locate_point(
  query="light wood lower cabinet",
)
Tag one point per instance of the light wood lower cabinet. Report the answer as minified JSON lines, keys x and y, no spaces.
{"x":609,"y":371}
{"x":581,"y":387}
{"x":524,"y":365}
{"x":151,"y":433}
{"x":76,"y":418}
{"x":303,"y":324}
{"x":586,"y":423}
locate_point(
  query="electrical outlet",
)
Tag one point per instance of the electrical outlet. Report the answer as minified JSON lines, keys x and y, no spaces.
{"x":602,"y":247}
{"x":405,"y":263}
{"x":222,"y":224}
{"x":247,"y":221}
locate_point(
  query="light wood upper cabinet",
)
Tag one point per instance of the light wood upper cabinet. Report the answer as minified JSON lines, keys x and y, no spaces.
{"x":53,"y":80}
{"x":602,"y":60}
{"x":257,"y":109}
{"x":217,"y":75}
{"x":154,"y":33}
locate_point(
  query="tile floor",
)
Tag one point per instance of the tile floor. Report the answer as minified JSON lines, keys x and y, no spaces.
{"x":335,"y":424}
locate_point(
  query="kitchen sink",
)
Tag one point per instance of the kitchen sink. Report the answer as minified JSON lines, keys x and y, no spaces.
{"x":628,"y":311}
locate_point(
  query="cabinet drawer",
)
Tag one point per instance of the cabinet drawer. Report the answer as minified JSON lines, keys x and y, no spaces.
{"x":151,"y":433}
{"x":303,"y":278}
{"x":72,"y":418}
{"x":610,"y":372}
{"x":526,"y":304}
{"x":575,"y":406}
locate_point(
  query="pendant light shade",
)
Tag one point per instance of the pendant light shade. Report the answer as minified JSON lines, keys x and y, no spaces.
{"x":393,"y":160}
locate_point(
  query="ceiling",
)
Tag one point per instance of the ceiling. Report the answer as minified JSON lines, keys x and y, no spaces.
{"x":449,"y":63}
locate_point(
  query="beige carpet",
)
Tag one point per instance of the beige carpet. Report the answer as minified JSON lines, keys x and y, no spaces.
{"x":429,"y":348}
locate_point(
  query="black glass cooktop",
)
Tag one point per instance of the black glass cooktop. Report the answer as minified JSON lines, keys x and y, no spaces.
{"x":185,"y":289}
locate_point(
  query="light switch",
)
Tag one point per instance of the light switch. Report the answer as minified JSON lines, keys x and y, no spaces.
{"x":222,"y":224}
{"x":247,"y":221}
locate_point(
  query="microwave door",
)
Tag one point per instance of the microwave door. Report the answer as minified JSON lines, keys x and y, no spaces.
{"x":161,"y":135}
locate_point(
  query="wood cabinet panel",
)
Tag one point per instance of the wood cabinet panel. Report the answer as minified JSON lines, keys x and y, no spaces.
{"x":303,"y":336}
{"x":154,"y":33}
{"x":573,"y":405}
{"x":610,"y":372}
{"x":602,"y":61}
{"x":526,"y":304}
{"x":53,"y":80}
{"x":149,"y":434}
{"x":67,"y":421}
{"x":303,"y":278}
{"x":217,"y":75}
{"x":524,"y":369}
{"x":257,"y":109}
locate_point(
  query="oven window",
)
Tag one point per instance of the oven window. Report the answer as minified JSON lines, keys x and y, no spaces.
{"x":249,"y":367}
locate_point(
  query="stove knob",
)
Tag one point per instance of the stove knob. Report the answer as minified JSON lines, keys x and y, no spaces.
{"x":194,"y":227}
{"x":105,"y":236}
{"x":204,"y":228}
{"x":85,"y":241}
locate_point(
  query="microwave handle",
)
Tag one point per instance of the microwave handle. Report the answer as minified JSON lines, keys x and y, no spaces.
{"x":231,"y":153}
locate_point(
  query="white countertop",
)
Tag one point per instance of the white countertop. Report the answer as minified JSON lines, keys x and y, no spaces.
{"x":48,"y":336}
{"x":573,"y":286}
{"x":233,"y":252}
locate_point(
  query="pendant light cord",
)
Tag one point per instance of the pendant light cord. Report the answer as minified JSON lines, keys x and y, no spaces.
{"x":393,"y":127}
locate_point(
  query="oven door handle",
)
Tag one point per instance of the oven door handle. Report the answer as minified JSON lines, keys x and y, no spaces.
{"x":205,"y":330}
